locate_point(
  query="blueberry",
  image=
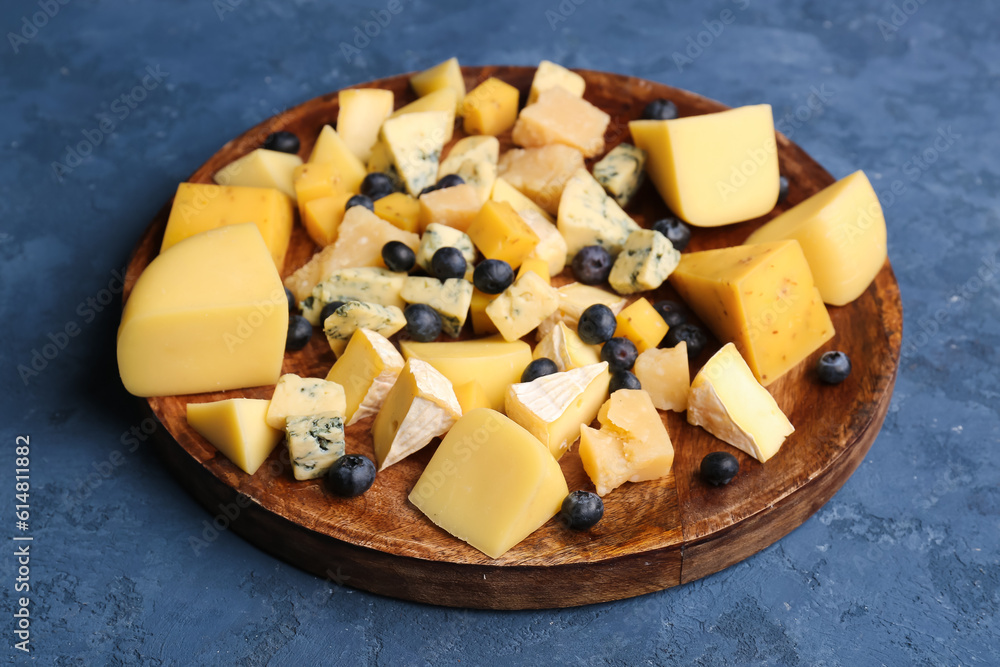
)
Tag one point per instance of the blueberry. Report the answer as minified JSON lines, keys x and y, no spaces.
{"x":448,"y":263}
{"x":582,"y":510}
{"x":283,"y":142}
{"x":328,"y":310}
{"x":624,"y":380}
{"x":539,"y":368}
{"x":782,"y":188}
{"x":597,"y":324}
{"x":422,"y":322}
{"x":719,"y":468}
{"x":377,"y":185}
{"x":351,"y":475}
{"x":429,"y":188}
{"x":592,"y":265}
{"x":291,"y":300}
{"x":360,"y":200}
{"x":671,"y":312}
{"x":299,"y":333}
{"x":620,"y":353}
{"x":675,"y":230}
{"x":398,"y":256}
{"x":492,"y":276}
{"x":833,"y":367}
{"x":692,"y":334}
{"x":449,"y":181}
{"x":660,"y":109}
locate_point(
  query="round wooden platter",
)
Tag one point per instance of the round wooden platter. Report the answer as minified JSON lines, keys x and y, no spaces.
{"x":654,"y":535}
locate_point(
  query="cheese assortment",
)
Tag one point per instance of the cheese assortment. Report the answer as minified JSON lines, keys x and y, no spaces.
{"x":388,"y":188}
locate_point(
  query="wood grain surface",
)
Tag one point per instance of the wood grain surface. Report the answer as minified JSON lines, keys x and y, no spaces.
{"x":654,"y":535}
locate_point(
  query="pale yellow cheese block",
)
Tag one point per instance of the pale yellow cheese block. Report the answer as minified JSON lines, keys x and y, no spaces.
{"x":366,"y":370}
{"x":296,"y":396}
{"x":666,"y":376}
{"x":360,"y":117}
{"x":549,"y":75}
{"x":261,"y":168}
{"x":560,"y":117}
{"x":443,"y":75}
{"x":237,"y":427}
{"x":445,"y":99}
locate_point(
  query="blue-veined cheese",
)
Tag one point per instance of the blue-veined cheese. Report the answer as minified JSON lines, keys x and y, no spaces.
{"x":621,"y":172}
{"x":523,"y":306}
{"x":475,"y":159}
{"x":295,"y":396}
{"x":438,"y":236}
{"x":370,"y":284}
{"x":589,"y":216}
{"x":315,"y":442}
{"x":450,"y":299}
{"x":354,"y":315}
{"x":414,"y":141}
{"x":646,"y":260}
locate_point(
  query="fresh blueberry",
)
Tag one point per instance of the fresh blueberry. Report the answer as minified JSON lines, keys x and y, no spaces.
{"x":328,"y":310}
{"x":448,"y":263}
{"x":719,"y":468}
{"x":671,"y":312}
{"x":692,"y":334}
{"x":492,"y":276}
{"x":283,"y":142}
{"x":539,"y":368}
{"x":360,"y":200}
{"x":782,"y":188}
{"x":377,"y":185}
{"x":675,"y":230}
{"x":597,"y":324}
{"x":299,"y":333}
{"x":429,"y":188}
{"x":582,"y":510}
{"x":660,"y":109}
{"x":422,"y":322}
{"x":351,"y":475}
{"x":449,"y":181}
{"x":592,"y":265}
{"x":624,"y":380}
{"x":398,"y":256}
{"x":291,"y":300}
{"x":833,"y":367}
{"x":620,"y":353}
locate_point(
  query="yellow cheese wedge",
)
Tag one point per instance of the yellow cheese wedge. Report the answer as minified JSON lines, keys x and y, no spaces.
{"x":199,"y":207}
{"x":366,"y":370}
{"x":549,"y":75}
{"x":563,"y":346}
{"x":261,"y":168}
{"x":490,"y":483}
{"x":322,"y":217}
{"x":553,"y":407}
{"x":471,"y":395}
{"x":445,"y":99}
{"x":728,"y":402}
{"x":237,"y":428}
{"x":842,"y":233}
{"x":360,"y":117}
{"x":209,"y":314}
{"x":296,"y":396}
{"x":560,"y":117}
{"x":490,"y":108}
{"x":523,"y":306}
{"x":500,"y":233}
{"x":492,"y":362}
{"x":761,"y":298}
{"x":331,"y":149}
{"x":453,"y":207}
{"x":505,"y":192}
{"x":444,"y":75}
{"x":713,"y":169}
{"x":401,"y":210}
{"x":541,"y":173}
{"x":665,"y":376}
{"x":641,"y":324}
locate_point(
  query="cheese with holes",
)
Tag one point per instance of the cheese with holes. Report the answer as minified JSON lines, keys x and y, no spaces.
{"x":664,"y":375}
{"x":369,"y":284}
{"x":440,"y":100}
{"x":261,"y":168}
{"x":366,"y":370}
{"x":646,"y":260}
{"x":541,"y":173}
{"x":295,"y":396}
{"x":728,"y":402}
{"x":414,"y":142}
{"x":559,"y":117}
{"x":340,"y":325}
{"x":456,"y":206}
{"x":549,"y":75}
{"x":475,"y":159}
{"x":236,"y":427}
{"x":523,"y":306}
{"x":444,"y":75}
{"x":315,"y":442}
{"x":450,"y":299}
{"x":500,"y":233}
{"x":563,"y":346}
{"x":588,"y":216}
{"x":621,"y":172}
{"x":641,"y":324}
{"x":490,"y":108}
{"x":331,"y":149}
{"x":490,"y":483}
{"x":362,"y":111}
{"x":421,"y":406}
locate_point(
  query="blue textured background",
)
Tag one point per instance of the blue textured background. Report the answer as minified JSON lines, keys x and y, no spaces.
{"x":900,"y":568}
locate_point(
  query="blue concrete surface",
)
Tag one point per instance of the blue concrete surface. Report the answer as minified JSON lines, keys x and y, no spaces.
{"x":900,"y":568}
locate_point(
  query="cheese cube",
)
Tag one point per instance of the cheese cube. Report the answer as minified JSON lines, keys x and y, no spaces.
{"x":588,"y":216}
{"x":490,"y":483}
{"x":842,"y":233}
{"x":438,"y":236}
{"x":641,"y":324}
{"x":340,"y":325}
{"x":551,"y":248}
{"x":761,"y":298}
{"x":401,"y":210}
{"x":490,"y":108}
{"x":481,"y":322}
{"x":475,"y":159}
{"x":559,"y":117}
{"x":237,"y":428}
{"x":563,"y":346}
{"x":369,"y":284}
{"x":574,"y":298}
{"x":360,"y":117}
{"x":444,"y":75}
{"x":728,"y":402}
{"x":535,"y":265}
{"x":366,"y":370}
{"x":541,"y":173}
{"x":414,"y":142}
{"x":322,"y":217}
{"x":522,"y":306}
{"x":492,"y":362}
{"x":314,"y":180}
{"x":549,"y":75}
{"x":331,"y":149}
{"x":295,"y":396}
{"x":440,"y":100}
{"x":471,"y":395}
{"x":713,"y":169}
{"x":665,"y":376}
{"x":505,"y":192}
{"x":420,"y":406}
{"x":621,"y":172}
{"x":644,"y":263}
{"x":450,"y":299}
{"x":381,"y":162}
{"x":456,"y":207}
{"x":500,"y":233}
{"x":261,"y":168}
{"x":209,"y":314}
{"x":199,"y":207}
{"x":315,"y":442}
{"x":553,"y":407}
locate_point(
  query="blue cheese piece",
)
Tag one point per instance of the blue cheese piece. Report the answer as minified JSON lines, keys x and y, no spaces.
{"x":414,"y":141}
{"x":369,"y":284}
{"x":294,"y":395}
{"x":621,"y":173}
{"x":588,"y":216}
{"x":647,"y":259}
{"x":450,"y":299}
{"x":354,"y":315}
{"x":523,"y":306}
{"x":315,"y":442}
{"x":475,"y":159}
{"x":438,"y":236}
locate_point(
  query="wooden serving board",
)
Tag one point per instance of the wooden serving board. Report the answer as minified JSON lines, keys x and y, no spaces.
{"x":654,"y":535}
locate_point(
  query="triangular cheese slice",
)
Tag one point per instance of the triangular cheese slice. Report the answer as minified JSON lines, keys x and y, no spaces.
{"x":237,"y":427}
{"x":415,"y":141}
